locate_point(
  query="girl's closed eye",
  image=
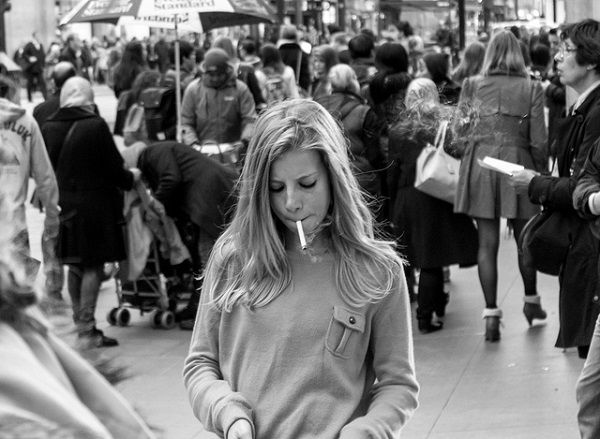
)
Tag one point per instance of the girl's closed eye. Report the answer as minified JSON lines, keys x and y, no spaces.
{"x":308,"y":185}
{"x":275,"y":187}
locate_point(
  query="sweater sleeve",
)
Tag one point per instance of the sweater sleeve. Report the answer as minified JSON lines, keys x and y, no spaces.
{"x":588,"y":183}
{"x":43,"y":174}
{"x":213,"y":401}
{"x":247,"y":111}
{"x":188,"y":114}
{"x":394,"y":395}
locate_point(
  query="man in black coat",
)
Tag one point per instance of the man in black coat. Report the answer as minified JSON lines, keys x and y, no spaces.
{"x":194,"y":189}
{"x":34,"y":60}
{"x":290,"y":50}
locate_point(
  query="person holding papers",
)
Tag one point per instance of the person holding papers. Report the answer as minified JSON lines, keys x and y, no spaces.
{"x":579,"y":67}
{"x":511,"y":127}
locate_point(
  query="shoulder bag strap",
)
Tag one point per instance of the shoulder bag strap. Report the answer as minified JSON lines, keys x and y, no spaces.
{"x":440,"y":136}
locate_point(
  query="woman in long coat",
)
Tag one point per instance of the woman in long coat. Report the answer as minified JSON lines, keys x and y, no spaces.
{"x":430,"y":233}
{"x":511,"y":127}
{"x":90,"y":175}
{"x":578,"y":68}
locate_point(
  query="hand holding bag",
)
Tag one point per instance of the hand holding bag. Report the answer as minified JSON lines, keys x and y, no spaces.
{"x":437,"y":171}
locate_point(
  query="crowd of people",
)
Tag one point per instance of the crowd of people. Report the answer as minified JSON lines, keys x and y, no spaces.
{"x":323,"y":242}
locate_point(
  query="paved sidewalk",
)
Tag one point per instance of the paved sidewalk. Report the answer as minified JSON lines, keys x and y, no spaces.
{"x":519,"y":388}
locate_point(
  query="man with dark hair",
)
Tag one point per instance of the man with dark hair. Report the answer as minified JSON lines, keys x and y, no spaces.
{"x":72,"y":53}
{"x":34,"y":60}
{"x":187,"y":64}
{"x":247,"y":51}
{"x":361,"y":56}
{"x":540,"y":62}
{"x":293,"y":55}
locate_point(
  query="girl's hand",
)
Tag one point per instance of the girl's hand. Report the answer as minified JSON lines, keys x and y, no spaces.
{"x":240,"y":429}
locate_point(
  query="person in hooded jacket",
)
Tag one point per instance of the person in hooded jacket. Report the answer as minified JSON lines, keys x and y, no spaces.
{"x":23,"y":156}
{"x":90,"y":179}
{"x":217,"y":107}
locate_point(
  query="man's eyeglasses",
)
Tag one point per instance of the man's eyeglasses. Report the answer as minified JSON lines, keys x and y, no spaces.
{"x":564,"y":49}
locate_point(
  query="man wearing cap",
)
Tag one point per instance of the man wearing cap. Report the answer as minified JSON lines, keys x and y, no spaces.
{"x":217,"y":106}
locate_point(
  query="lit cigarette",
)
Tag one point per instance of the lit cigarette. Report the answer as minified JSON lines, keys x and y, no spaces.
{"x":301,"y":235}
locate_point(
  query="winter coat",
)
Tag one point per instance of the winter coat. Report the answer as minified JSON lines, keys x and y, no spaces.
{"x":189,"y":184}
{"x":362,"y":129}
{"x":511,"y":127}
{"x":23,"y":156}
{"x":90,"y":177}
{"x":224,"y":115}
{"x":430,"y":234}
{"x":578,"y":279}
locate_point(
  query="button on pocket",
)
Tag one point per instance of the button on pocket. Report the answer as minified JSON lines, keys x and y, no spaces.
{"x":344,"y":331}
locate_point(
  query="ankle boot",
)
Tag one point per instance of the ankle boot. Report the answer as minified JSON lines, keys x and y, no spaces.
{"x":427,"y":326}
{"x":533,"y":308}
{"x":492,"y":318}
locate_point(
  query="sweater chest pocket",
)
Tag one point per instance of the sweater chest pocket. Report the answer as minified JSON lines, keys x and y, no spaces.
{"x":345,"y":332}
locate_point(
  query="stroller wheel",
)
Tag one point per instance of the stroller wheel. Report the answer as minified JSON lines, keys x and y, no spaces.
{"x":123,"y":316}
{"x":163,"y":319}
{"x":111,"y":317}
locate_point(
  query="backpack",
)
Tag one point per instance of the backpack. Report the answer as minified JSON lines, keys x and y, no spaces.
{"x":276,"y":88}
{"x":160,"y":112}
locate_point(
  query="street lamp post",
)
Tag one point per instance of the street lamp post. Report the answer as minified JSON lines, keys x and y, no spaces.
{"x":4,"y":7}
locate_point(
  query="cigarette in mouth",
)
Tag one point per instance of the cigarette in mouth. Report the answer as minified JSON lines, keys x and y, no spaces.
{"x":301,"y":235}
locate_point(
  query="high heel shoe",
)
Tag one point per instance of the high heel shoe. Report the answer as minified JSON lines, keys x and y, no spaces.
{"x":533,"y":309}
{"x":426,"y":326}
{"x":492,"y":318}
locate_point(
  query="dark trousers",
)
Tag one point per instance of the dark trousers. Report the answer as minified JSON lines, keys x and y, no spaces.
{"x":35,"y":81}
{"x":431,"y":292}
{"x":84,"y":285}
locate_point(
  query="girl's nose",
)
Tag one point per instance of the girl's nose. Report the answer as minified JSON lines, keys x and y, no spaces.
{"x":292,"y":200}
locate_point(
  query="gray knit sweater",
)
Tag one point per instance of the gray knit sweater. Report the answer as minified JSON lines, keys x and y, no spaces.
{"x":307,"y":365}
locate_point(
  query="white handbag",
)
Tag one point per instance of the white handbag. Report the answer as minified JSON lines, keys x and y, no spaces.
{"x":437,"y":171}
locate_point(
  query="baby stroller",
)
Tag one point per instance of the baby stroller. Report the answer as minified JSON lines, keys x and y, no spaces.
{"x":152,"y":243}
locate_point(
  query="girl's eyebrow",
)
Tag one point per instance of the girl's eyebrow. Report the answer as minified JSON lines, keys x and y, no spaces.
{"x":274,"y":180}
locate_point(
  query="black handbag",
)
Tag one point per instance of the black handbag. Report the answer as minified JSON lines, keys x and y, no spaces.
{"x":545,"y":241}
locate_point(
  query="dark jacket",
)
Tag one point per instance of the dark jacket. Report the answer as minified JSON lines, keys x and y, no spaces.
{"x":68,"y":54}
{"x":362,"y":128}
{"x":289,"y":55}
{"x":90,"y":175}
{"x":44,"y":110}
{"x":578,"y":279}
{"x":190,"y":185}
{"x":555,"y":101}
{"x":430,"y":234}
{"x":34,"y":67}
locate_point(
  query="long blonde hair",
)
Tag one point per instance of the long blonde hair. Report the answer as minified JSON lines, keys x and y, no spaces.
{"x":503,"y":55}
{"x":248,"y":264}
